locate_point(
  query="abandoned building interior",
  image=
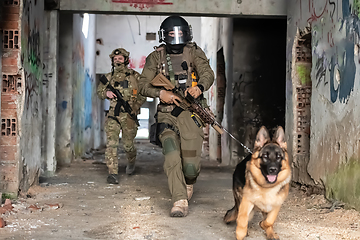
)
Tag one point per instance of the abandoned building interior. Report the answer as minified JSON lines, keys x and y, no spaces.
{"x":277,"y":63}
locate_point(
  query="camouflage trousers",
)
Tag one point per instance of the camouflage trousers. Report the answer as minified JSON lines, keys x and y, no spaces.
{"x":112,"y":129}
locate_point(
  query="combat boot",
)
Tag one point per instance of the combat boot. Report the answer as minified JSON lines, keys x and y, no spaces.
{"x":180,"y":208}
{"x":189,"y":191}
{"x":113,"y":179}
{"x":130,"y":168}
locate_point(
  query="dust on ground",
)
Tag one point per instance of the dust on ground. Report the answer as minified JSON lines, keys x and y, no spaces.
{"x":77,"y":203}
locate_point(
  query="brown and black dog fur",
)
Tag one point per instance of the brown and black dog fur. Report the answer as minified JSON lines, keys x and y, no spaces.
{"x":261,"y":181}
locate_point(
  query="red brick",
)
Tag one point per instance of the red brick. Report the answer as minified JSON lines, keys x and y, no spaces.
{"x":9,"y":113}
{"x":9,"y":25}
{"x":8,"y":105}
{"x":10,"y":69}
{"x":8,"y":172}
{"x":8,"y":153}
{"x":9,"y":61}
{"x":11,"y":17}
{"x":8,"y":141}
{"x":10,"y":53}
{"x":11,"y":10}
{"x":8,"y":97}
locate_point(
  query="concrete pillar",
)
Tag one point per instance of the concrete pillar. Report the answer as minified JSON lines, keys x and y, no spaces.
{"x":227,"y":117}
{"x":64,"y":91}
{"x":51,"y":60}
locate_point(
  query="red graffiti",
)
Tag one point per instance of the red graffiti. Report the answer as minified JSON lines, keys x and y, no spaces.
{"x":143,"y":3}
{"x":142,"y":62}
{"x":131,"y":63}
{"x":312,"y":10}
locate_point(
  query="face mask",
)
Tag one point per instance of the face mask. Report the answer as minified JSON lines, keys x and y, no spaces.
{"x":175,"y":49}
{"x":119,"y":66}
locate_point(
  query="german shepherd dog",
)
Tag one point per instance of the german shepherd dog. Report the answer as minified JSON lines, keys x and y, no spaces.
{"x":261,"y":181}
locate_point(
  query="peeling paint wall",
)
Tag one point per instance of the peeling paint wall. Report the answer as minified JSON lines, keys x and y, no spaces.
{"x":64,"y":91}
{"x":335,"y":122}
{"x":83,"y":80}
{"x":130,"y":32}
{"x":31,"y":121}
{"x":210,"y":35}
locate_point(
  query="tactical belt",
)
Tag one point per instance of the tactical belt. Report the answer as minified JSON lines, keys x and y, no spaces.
{"x":165,"y":108}
{"x":173,"y":109}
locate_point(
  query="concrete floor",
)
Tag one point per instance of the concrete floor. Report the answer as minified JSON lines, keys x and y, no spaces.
{"x":139,"y":207}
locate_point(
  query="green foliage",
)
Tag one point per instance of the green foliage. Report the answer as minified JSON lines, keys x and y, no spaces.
{"x":304,"y":74}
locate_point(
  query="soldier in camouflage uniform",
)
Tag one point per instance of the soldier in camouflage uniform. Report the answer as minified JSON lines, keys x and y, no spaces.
{"x":186,"y":65}
{"x":126,"y":81}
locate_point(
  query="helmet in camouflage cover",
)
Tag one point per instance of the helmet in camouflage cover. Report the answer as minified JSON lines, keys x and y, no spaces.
{"x":120,"y":51}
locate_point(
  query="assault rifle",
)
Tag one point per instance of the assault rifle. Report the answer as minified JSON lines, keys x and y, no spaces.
{"x":120,"y":100}
{"x":190,"y":103}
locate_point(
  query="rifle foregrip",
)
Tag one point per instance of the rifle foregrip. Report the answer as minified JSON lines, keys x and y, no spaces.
{"x":218,"y":129}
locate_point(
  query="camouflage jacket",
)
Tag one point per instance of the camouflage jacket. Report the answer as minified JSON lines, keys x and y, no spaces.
{"x":127,"y":82}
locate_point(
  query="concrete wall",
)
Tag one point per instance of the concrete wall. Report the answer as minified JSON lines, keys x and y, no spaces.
{"x":198,"y":7}
{"x":64,"y":91}
{"x":30,"y":119}
{"x":335,"y":123}
{"x":226,"y":36}
{"x":209,"y":44}
{"x":83,"y":84}
{"x":129,"y":32}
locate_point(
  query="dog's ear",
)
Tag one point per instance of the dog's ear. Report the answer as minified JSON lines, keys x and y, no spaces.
{"x":262,"y":137}
{"x":279,"y":137}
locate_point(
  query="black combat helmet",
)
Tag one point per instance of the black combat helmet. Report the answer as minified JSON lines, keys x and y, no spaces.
{"x":181,"y":32}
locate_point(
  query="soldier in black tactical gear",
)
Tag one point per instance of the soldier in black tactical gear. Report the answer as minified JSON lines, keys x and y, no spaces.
{"x":187,"y":67}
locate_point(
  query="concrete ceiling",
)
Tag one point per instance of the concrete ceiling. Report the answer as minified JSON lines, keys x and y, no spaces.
{"x":183,"y":7}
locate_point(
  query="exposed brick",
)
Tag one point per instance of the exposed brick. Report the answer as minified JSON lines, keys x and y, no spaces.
{"x":8,"y":126}
{"x":8,"y":141}
{"x":8,"y":172}
{"x":11,"y":10}
{"x":10,"y":69}
{"x":8,"y":105}
{"x":11,"y":17}
{"x":10,"y":187}
{"x":8,"y":153}
{"x":9,"y":61}
{"x":9,"y":25}
{"x":9,"y":113}
{"x":10,"y":53}
{"x":8,"y":97}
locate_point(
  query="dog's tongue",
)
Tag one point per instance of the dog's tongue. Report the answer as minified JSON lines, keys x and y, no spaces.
{"x":271,"y":178}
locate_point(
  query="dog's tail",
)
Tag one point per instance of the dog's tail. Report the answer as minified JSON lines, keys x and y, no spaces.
{"x":231,"y":215}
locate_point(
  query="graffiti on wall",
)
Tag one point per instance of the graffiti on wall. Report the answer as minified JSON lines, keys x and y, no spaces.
{"x":88,"y":99}
{"x":335,"y":31}
{"x":31,"y":55}
{"x":31,"y":91}
{"x":142,"y":4}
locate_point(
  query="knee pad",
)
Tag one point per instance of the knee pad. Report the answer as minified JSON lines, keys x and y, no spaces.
{"x":169,"y":145}
{"x":190,"y":171}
